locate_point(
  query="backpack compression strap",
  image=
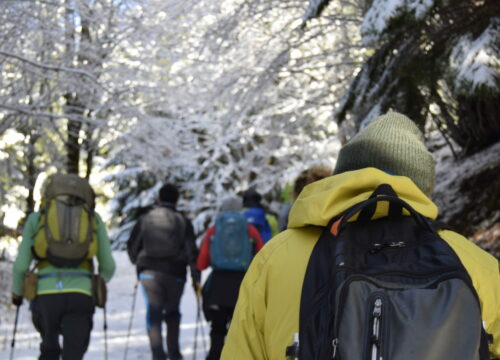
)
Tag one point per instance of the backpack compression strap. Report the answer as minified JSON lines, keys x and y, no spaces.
{"x":64,"y":274}
{"x":86,"y":264}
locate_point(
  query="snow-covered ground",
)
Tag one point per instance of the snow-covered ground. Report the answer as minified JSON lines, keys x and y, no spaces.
{"x":119,"y":305}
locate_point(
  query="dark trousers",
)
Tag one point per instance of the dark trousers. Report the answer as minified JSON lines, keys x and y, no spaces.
{"x":67,"y":314}
{"x":162,"y":294}
{"x":220,"y":319}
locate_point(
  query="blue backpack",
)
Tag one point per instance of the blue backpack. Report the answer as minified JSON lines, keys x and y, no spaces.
{"x":230,"y":247}
{"x":257,"y":217}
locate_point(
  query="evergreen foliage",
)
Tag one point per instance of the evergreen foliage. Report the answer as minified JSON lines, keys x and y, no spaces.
{"x":434,"y":60}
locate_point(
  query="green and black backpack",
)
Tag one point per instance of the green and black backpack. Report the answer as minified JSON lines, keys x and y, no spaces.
{"x":66,"y":234}
{"x":387,"y":289}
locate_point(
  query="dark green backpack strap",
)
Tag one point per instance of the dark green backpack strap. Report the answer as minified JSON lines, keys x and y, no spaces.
{"x":440,"y":225}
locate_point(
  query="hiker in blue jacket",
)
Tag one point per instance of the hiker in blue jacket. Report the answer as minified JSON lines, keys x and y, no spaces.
{"x":265,"y":222}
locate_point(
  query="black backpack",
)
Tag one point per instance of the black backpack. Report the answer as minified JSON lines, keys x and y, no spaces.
{"x":162,"y":234}
{"x":387,"y":289}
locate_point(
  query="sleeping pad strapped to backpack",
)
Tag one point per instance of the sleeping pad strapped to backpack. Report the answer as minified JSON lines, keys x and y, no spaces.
{"x":66,"y":235}
{"x":387,"y":289}
{"x":230,"y":247}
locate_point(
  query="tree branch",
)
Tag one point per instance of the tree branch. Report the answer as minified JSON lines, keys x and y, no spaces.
{"x":53,"y":68}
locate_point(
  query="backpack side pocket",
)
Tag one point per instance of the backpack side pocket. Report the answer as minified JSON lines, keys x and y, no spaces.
{"x":99,"y":291}
{"x":30,"y":285}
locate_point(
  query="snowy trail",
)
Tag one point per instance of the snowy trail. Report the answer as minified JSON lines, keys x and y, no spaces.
{"x":120,"y":294}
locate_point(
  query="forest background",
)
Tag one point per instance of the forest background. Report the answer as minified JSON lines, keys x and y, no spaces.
{"x":220,"y":96}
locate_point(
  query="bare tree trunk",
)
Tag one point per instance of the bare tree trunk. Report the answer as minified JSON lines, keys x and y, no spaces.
{"x":73,"y":135}
{"x":89,"y":147}
{"x":31,"y":171}
{"x":72,"y":107}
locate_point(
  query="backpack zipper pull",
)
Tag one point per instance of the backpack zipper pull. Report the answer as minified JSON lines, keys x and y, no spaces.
{"x":397,"y":244}
{"x":377,"y":314}
{"x":381,"y":246}
{"x":335,"y":343}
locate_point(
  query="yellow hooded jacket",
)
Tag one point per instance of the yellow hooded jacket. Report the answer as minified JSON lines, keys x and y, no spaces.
{"x":267,"y":313}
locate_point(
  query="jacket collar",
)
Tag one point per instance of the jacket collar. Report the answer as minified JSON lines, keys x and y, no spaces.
{"x":322,"y":200}
{"x":167,"y":204}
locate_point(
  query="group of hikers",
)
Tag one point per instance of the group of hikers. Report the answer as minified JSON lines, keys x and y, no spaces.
{"x":356,"y":267}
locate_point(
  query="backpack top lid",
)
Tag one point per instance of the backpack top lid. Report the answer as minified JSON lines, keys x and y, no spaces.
{"x":72,"y":185}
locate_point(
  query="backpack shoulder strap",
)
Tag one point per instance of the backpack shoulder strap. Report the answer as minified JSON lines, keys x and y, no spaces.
{"x":440,"y":225}
{"x":182,"y":222}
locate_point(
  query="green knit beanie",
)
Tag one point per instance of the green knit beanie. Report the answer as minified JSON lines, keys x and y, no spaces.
{"x":394,"y":144}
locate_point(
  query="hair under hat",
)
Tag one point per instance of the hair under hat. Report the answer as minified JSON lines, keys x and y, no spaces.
{"x":394,"y":144}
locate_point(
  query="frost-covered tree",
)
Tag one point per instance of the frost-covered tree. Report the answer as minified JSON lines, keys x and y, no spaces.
{"x":252,"y":94}
{"x":70,"y":74}
{"x":439,"y":62}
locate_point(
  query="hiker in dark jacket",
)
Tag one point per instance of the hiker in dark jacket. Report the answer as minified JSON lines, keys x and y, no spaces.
{"x":220,"y":291}
{"x":162,"y":245}
{"x":63,"y":304}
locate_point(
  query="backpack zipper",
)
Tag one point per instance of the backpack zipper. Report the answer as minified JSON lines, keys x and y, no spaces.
{"x":69,"y":226}
{"x":375,"y":336}
{"x":376,"y":327}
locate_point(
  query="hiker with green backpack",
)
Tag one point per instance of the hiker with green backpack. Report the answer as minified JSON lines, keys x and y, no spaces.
{"x":364,"y":270}
{"x":64,"y":285}
{"x":228,"y":247}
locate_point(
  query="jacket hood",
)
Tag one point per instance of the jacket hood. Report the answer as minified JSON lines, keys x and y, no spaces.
{"x":322,"y":200}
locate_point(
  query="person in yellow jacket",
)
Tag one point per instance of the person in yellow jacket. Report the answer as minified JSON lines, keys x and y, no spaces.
{"x":389,"y":150}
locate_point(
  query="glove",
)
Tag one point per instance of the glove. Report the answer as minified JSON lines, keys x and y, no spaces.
{"x":17,"y":300}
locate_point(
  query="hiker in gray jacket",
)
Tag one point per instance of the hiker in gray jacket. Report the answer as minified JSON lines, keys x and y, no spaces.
{"x":162,"y":245}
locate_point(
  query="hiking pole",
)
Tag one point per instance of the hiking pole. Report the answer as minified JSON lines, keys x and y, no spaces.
{"x":14,"y":333}
{"x":197,"y":293}
{"x":134,"y":296}
{"x":195,"y":345}
{"x":200,"y":320}
{"x":198,"y":325}
{"x":105,"y":328}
